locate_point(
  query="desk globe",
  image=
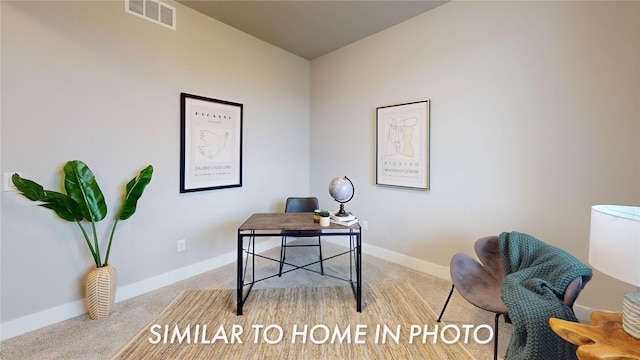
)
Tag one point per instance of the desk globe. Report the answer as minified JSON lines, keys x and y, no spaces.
{"x":341,"y":190}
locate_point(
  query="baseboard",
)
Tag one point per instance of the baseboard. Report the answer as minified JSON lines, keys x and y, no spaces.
{"x":9,"y":329}
{"x":583,"y":313}
{"x":401,"y":259}
{"x":408,"y":261}
{"x":63,"y":312}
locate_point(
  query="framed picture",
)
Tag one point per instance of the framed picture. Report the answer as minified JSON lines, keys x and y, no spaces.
{"x":402,"y":145}
{"x":210,"y":144}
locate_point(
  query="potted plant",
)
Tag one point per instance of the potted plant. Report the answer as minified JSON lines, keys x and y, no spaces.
{"x":324,"y":218}
{"x":84,"y":202}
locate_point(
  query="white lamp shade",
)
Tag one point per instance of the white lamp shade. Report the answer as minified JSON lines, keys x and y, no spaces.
{"x":614,"y":245}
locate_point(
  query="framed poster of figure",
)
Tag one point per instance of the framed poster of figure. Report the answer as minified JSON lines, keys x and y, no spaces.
{"x":402,"y":145}
{"x":210,"y":143}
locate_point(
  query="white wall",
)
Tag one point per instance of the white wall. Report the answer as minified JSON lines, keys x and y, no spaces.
{"x":535,"y":116}
{"x":85,"y":80}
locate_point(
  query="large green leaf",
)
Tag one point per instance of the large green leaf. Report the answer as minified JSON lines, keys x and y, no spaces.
{"x":63,"y":205}
{"x":82,"y":187}
{"x":134,"y":191}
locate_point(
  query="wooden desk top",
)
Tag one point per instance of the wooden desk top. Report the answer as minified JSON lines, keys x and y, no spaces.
{"x":289,"y":222}
{"x":603,"y":339}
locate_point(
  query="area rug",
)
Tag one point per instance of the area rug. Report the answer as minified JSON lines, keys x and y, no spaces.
{"x":297,"y":323}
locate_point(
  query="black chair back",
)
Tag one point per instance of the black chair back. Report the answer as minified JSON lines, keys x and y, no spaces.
{"x":301,"y":204}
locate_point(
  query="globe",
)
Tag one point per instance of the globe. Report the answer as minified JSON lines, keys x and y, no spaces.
{"x":341,"y":190}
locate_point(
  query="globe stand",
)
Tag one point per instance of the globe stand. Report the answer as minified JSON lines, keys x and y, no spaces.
{"x":342,"y":213}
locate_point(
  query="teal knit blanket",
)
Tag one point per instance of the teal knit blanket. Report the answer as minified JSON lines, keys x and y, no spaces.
{"x":537,"y":275}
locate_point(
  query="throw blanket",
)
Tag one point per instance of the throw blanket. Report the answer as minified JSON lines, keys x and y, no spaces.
{"x":537,"y":275}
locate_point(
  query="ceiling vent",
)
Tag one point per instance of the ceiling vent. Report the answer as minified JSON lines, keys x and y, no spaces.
{"x":152,"y":10}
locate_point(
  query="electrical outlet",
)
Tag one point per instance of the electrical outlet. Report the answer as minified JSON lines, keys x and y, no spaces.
{"x":182,"y":245}
{"x":8,"y":184}
{"x":365,"y":225}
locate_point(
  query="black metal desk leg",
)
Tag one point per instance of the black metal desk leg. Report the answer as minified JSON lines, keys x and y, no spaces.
{"x":239,"y":284}
{"x":359,"y":270}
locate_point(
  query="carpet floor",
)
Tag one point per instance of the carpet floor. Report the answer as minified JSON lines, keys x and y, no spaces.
{"x":85,"y":339}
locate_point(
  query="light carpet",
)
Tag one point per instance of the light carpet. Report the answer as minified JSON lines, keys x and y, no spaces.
{"x":295,"y":323}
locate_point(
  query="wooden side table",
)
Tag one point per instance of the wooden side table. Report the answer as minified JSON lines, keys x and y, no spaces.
{"x":603,"y":339}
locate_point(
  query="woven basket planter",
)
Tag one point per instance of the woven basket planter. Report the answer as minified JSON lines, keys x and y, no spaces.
{"x":101,"y":291}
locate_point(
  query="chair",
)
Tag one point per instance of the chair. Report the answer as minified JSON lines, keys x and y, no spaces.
{"x":480,"y":282}
{"x":300,"y":204}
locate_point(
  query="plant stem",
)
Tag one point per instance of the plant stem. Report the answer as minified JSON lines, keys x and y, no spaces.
{"x":96,"y":245}
{"x":86,"y":238}
{"x":113,"y":230}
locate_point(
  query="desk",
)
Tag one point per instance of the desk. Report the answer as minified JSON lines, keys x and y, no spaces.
{"x":603,"y":339}
{"x":271,"y":225}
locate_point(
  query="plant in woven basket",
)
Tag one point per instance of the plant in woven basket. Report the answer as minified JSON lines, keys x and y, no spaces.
{"x":84,"y":201}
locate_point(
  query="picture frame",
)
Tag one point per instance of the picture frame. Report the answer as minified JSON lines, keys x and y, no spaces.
{"x":402,"y":145}
{"x":210,"y":143}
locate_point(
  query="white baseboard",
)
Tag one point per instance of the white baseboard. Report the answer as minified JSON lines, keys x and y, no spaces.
{"x":9,"y":329}
{"x":408,"y":261}
{"x":63,"y":312}
{"x":582,"y":312}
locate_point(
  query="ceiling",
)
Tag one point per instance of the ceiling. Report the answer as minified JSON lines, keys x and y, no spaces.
{"x":307,"y":28}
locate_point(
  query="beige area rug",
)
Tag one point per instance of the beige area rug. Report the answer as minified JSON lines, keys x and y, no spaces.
{"x":295,"y":323}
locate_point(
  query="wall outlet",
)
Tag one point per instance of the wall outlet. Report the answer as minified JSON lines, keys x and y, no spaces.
{"x":182,"y":245}
{"x":8,"y":184}
{"x":365,"y":225}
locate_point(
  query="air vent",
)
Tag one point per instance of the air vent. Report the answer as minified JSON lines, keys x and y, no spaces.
{"x":152,"y":10}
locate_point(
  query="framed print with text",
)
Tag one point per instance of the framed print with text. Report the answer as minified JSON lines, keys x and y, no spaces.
{"x":402,"y":145}
{"x":210,"y":144}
